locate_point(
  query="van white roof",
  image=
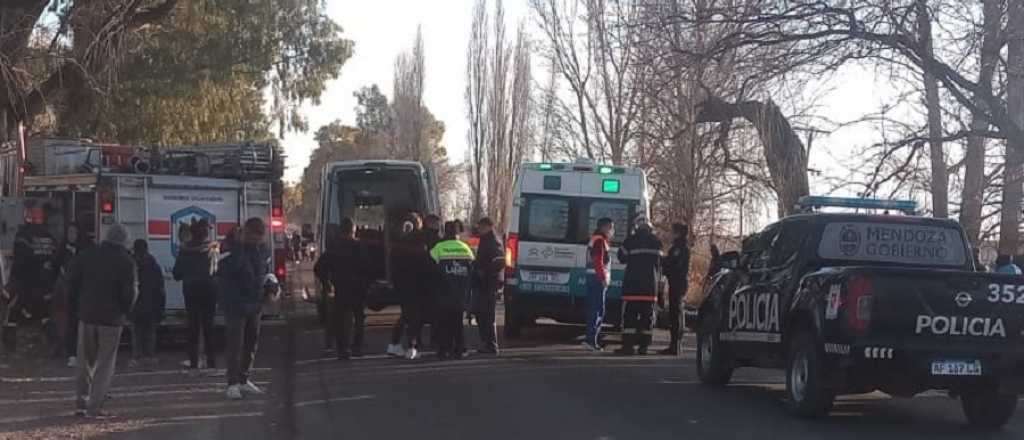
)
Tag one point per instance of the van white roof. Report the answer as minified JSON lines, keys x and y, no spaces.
{"x":581,"y":165}
{"x":371,"y":162}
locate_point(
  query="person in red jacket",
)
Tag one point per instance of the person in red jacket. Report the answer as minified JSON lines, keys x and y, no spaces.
{"x":598,"y":277}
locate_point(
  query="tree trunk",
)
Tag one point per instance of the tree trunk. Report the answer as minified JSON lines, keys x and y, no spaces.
{"x":974,"y":158}
{"x":1009,"y":222}
{"x":783,"y":150}
{"x":940,"y":177}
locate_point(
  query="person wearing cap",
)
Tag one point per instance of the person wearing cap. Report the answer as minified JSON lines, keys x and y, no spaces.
{"x":489,"y":279}
{"x":677,"y":269}
{"x":641,"y":253}
{"x":454,"y":261}
{"x":246,"y":283}
{"x":104,"y":276}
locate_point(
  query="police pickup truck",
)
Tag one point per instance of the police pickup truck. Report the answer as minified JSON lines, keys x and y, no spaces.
{"x":853,"y":303}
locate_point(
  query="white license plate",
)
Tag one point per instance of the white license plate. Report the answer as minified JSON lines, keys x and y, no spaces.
{"x":542,"y":277}
{"x":956,"y":368}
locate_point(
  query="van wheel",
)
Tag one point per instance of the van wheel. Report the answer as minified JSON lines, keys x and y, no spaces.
{"x":805,"y":384}
{"x":712,"y":364}
{"x":988,"y":409}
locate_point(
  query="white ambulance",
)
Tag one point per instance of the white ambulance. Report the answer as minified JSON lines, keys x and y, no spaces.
{"x":553,"y":211}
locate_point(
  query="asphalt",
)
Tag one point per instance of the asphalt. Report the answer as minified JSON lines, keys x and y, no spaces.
{"x":543,"y":386}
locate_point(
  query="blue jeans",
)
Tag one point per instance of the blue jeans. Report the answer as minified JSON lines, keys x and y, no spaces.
{"x":595,"y":308}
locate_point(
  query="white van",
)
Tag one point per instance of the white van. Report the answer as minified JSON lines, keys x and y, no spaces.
{"x":553,"y":211}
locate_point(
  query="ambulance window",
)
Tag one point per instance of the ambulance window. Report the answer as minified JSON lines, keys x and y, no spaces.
{"x":618,"y":211}
{"x":547,"y":219}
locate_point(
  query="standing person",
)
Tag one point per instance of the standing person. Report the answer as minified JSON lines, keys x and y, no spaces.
{"x":246,"y":284}
{"x":431,"y":230}
{"x":677,"y":269}
{"x":342,"y":265}
{"x":598,"y":277}
{"x":454,"y":259}
{"x":325,"y":300}
{"x":104,"y":276}
{"x":149,"y":307}
{"x":405,"y":282}
{"x":1004,"y":264}
{"x":490,"y":277}
{"x":74,"y":243}
{"x":296,"y":243}
{"x":641,"y":253}
{"x":195,"y":268}
{"x":33,"y":277}
{"x":431,"y":235}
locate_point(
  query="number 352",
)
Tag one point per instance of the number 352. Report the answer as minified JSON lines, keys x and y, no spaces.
{"x":1006,"y":293}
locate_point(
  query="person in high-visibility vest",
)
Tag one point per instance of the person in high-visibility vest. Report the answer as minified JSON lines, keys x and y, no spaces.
{"x":641,"y":253}
{"x":454,"y":260}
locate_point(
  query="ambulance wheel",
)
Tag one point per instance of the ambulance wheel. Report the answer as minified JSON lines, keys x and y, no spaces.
{"x":712,"y":364}
{"x":805,"y":382}
{"x":988,"y":409}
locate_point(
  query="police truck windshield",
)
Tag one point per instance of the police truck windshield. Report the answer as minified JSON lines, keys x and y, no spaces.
{"x":893,"y":242}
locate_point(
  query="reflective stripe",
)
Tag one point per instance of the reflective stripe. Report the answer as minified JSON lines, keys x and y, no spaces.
{"x":628,"y":330}
{"x":646,"y":298}
{"x":646,"y":252}
{"x":624,"y":251}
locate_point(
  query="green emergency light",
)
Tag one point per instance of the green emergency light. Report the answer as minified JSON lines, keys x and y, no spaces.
{"x":544,"y":166}
{"x":610,"y":186}
{"x":605,"y":170}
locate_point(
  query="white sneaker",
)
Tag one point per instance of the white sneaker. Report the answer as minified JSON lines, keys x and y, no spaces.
{"x":234,"y":392}
{"x":72,"y":362}
{"x":412,"y":353}
{"x":250,"y":388}
{"x":594,"y":348}
{"x":396,"y":350}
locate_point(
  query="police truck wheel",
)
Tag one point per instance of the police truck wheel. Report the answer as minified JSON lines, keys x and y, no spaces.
{"x":805,"y":385}
{"x":988,"y":409}
{"x":712,"y":366}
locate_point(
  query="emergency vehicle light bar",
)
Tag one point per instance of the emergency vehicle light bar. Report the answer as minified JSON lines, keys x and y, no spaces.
{"x":809,"y":203}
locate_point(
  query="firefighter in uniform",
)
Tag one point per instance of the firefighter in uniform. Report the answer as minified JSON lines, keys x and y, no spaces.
{"x":677,"y":269}
{"x":33,"y":275}
{"x":454,"y":259}
{"x":641,"y":253}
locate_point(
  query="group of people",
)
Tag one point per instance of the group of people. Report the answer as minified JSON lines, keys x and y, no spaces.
{"x":299,"y":244}
{"x":645,"y":262}
{"x":439,"y":279}
{"x":84,"y":295}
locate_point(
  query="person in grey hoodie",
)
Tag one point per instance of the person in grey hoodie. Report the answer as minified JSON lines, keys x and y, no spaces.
{"x":104,"y":277}
{"x":195,"y":268}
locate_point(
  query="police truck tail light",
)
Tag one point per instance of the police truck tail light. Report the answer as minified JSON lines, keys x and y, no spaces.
{"x":511,"y":254}
{"x":859,"y":290}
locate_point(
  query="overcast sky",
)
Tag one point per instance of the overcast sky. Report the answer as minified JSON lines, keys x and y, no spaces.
{"x":383,"y":28}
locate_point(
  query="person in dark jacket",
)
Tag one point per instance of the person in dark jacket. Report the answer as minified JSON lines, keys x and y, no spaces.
{"x":104,"y":276}
{"x":33,"y":277}
{"x":342,"y":265}
{"x":641,"y":253}
{"x":195,"y":268}
{"x":74,"y":243}
{"x":677,"y":269}
{"x":247,"y":282}
{"x":454,"y":261}
{"x":403,"y":247}
{"x":431,"y":232}
{"x":489,"y":279}
{"x":149,"y":307}
{"x":411,"y":275}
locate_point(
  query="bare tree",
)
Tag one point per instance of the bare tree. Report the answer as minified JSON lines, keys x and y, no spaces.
{"x":497,"y":112}
{"x":940,"y":176}
{"x":1009,"y":228}
{"x":476,"y":99}
{"x":407,"y":101}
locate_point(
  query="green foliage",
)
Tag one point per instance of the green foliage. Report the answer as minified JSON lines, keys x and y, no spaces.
{"x":204,"y":75}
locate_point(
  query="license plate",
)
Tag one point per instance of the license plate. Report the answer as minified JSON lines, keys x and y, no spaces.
{"x":541,"y":277}
{"x":956,"y":368}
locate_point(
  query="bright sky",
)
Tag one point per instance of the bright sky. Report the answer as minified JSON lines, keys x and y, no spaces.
{"x":381,"y":29}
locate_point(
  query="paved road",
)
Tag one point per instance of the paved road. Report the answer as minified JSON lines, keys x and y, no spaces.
{"x":543,"y":386}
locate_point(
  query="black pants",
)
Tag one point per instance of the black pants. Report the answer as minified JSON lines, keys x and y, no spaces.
{"x":637,"y":324}
{"x":486,"y":302}
{"x":350,"y":322}
{"x":143,"y":338}
{"x":448,"y":331}
{"x":416,"y":315}
{"x":676,"y":291}
{"x":200,"y":306}
{"x":71,"y":333}
{"x":243,"y":334}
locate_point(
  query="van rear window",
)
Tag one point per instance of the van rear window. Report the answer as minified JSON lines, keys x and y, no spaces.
{"x":899,"y":243}
{"x":547,"y":220}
